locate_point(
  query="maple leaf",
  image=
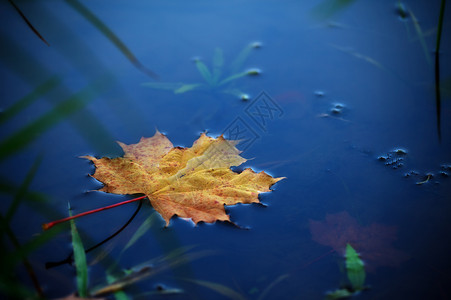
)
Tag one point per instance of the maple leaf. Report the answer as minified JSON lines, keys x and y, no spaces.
{"x":372,"y":242}
{"x":192,"y":183}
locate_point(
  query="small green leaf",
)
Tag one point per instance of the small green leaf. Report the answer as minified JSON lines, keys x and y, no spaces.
{"x":80,"y":261}
{"x":355,"y":268}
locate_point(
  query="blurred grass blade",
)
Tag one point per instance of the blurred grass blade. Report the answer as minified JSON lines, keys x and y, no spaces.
{"x":272,"y":285}
{"x":23,"y":103}
{"x":218,"y":62}
{"x":218,"y":288}
{"x":420,"y":35}
{"x":171,"y":86}
{"x":127,"y":280}
{"x":107,"y":32}
{"x":437,"y":70}
{"x":30,"y":132}
{"x":118,"y":295}
{"x":4,"y":227}
{"x":233,"y":77}
{"x":329,"y":8}
{"x":187,"y":87}
{"x":80,"y":261}
{"x":239,"y":61}
{"x":31,"y":246}
{"x":145,"y":226}
{"x":23,"y":189}
{"x":203,"y":70}
{"x":32,"y":71}
{"x":28,"y":23}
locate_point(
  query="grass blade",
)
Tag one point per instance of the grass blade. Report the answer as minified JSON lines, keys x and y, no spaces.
{"x":4,"y":227}
{"x":145,"y":226}
{"x":329,"y":8}
{"x":233,"y":77}
{"x":33,"y":130}
{"x":420,"y":35}
{"x":437,"y":70}
{"x":108,"y":33}
{"x":187,"y":87}
{"x":23,"y":103}
{"x":203,"y":70}
{"x":239,"y":61}
{"x":80,"y":261}
{"x":23,"y":189}
{"x":28,"y":23}
{"x":218,"y":288}
{"x":218,"y":62}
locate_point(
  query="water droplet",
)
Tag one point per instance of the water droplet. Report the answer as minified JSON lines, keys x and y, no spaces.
{"x":244,"y":97}
{"x":319,"y":93}
{"x":253,"y":72}
{"x":256,"y":45}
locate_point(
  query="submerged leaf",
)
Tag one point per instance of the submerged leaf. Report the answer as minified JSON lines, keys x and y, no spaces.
{"x":374,"y":241}
{"x":192,"y":183}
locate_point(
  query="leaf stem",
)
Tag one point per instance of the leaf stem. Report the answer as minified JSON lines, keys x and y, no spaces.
{"x":49,"y":225}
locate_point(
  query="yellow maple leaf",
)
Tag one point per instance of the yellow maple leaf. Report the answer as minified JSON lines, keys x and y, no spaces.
{"x":192,"y":183}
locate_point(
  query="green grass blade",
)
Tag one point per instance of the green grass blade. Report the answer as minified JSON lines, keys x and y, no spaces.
{"x":23,"y":189}
{"x":233,"y":77}
{"x":143,"y":228}
{"x":218,"y":288}
{"x":265,"y":292}
{"x":187,"y":87}
{"x":218,"y":62}
{"x":62,"y":110}
{"x":28,"y":99}
{"x":420,"y":35}
{"x":108,"y":33}
{"x":239,"y":61}
{"x":118,"y":295}
{"x":440,"y":25}
{"x":203,"y":70}
{"x":329,"y":8}
{"x":80,"y":261}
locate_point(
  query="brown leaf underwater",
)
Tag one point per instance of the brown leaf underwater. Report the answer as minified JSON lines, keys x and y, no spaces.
{"x":192,"y":183}
{"x":373,"y":242}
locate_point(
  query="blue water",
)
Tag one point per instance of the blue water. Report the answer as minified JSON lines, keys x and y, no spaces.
{"x":364,"y":61}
